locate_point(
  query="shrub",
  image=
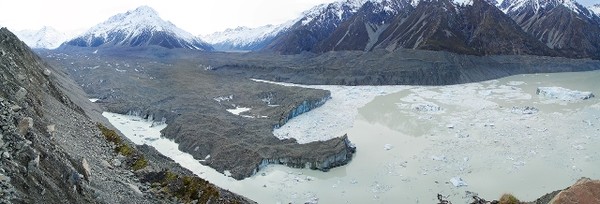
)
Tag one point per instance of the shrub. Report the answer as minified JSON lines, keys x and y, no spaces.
{"x":140,"y":163}
{"x":509,"y":199}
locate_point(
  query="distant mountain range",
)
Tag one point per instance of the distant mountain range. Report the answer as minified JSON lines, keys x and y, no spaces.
{"x":244,"y":38}
{"x":45,"y":38}
{"x":562,"y":25}
{"x":478,"y":27}
{"x":139,"y":27}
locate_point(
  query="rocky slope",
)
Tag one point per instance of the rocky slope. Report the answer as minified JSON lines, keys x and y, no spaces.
{"x":139,"y":27}
{"x":563,"y":25}
{"x":362,"y":30}
{"x":53,"y":148}
{"x":477,"y":27}
{"x":314,"y":26}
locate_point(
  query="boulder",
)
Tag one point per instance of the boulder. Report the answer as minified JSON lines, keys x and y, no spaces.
{"x":585,"y":191}
{"x":51,"y":128}
{"x":25,"y":124}
{"x":87,"y":171}
{"x":47,"y":72}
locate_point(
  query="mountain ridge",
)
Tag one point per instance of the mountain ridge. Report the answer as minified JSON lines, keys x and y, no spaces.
{"x":140,"y":27}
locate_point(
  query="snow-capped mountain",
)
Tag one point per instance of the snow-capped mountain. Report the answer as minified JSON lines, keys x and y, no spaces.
{"x":139,"y":27}
{"x":563,"y":25}
{"x":362,"y":30}
{"x":476,"y":27}
{"x":516,"y":6}
{"x":244,"y":38}
{"x":46,"y":37}
{"x":314,"y":26}
{"x":595,"y":8}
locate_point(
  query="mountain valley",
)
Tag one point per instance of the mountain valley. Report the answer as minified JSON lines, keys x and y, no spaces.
{"x":358,"y":99}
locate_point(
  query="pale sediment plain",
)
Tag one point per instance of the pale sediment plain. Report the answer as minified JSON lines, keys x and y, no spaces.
{"x":414,"y":142}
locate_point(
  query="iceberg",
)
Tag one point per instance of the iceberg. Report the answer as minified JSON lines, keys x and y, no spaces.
{"x":563,"y":94}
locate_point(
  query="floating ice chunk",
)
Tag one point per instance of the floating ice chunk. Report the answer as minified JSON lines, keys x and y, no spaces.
{"x":426,"y":107}
{"x":462,"y":135}
{"x":527,"y":110}
{"x":93,"y":100}
{"x":387,"y":146}
{"x":515,"y":83}
{"x":578,"y":147}
{"x":563,"y":94}
{"x":207,"y":157}
{"x":438,"y":158}
{"x":313,"y":200}
{"x":458,"y":182}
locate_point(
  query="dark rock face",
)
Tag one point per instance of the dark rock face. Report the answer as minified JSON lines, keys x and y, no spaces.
{"x":433,"y":25}
{"x":584,"y":191}
{"x":317,"y":25}
{"x":493,"y":33}
{"x":478,"y":29}
{"x":573,"y":31}
{"x":362,"y":30}
{"x":529,"y":27}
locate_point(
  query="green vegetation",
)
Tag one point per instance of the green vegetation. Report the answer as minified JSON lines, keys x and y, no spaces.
{"x":109,"y":134}
{"x":186,"y":188}
{"x":509,"y":199}
{"x":139,"y":162}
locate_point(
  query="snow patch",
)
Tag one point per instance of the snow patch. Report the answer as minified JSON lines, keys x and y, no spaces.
{"x":238,"y":110}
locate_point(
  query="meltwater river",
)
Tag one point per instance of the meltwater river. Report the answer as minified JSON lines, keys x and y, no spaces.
{"x":413,"y":142}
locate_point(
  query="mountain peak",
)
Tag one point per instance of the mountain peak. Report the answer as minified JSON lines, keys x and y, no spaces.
{"x":145,"y":9}
{"x":537,"y":5}
{"x":139,"y":27}
{"x":47,"y":37}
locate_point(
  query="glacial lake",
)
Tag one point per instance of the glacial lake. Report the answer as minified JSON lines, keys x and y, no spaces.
{"x":413,"y":142}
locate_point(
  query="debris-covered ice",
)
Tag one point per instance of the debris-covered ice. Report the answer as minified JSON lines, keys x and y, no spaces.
{"x":563,"y":94}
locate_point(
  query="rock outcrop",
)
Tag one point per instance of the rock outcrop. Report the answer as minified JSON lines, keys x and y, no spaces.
{"x":585,"y":191}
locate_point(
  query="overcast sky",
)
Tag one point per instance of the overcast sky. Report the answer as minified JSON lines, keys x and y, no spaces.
{"x":195,"y":16}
